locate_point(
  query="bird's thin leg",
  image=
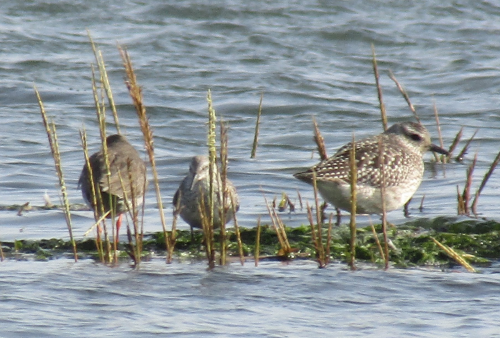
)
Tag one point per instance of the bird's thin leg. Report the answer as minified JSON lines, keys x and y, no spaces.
{"x":118,"y":225}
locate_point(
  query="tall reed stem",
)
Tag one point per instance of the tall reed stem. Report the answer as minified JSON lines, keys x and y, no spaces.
{"x":96,"y":201}
{"x":50,"y":128}
{"x":238,"y":235}
{"x":257,"y":125}
{"x":104,"y":80}
{"x":212,"y":157}
{"x":382,"y":199}
{"x":320,"y":141}
{"x":383,"y":114}
{"x":353,"y":179}
{"x":257,"y":243}
{"x":405,"y":95}
{"x":135,"y":92}
{"x":483,"y":182}
{"x":225,"y":208}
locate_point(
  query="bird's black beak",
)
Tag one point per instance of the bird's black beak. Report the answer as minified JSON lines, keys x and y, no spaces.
{"x":439,"y":150}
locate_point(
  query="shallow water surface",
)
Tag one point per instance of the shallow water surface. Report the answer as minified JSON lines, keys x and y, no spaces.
{"x":309,"y":58}
{"x":273,"y":300}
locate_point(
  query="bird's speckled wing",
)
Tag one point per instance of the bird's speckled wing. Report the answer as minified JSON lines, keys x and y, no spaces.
{"x":396,"y":163}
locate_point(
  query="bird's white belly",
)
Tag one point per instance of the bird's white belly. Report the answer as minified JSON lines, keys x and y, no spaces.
{"x":369,"y":199}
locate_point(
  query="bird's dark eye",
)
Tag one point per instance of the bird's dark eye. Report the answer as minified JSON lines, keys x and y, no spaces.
{"x":416,"y":137}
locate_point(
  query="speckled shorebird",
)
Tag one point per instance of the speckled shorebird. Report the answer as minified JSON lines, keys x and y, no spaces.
{"x":124,"y":161}
{"x":403,"y":146}
{"x":194,"y":186}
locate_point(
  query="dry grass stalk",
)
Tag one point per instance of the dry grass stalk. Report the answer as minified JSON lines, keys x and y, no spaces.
{"x":208,"y":231}
{"x":483,"y":183}
{"x":173,"y":234}
{"x":143,"y":205}
{"x":50,"y":128}
{"x":460,"y":202}
{"x":375,"y":236}
{"x":135,"y":92}
{"x":104,"y":80}
{"x":320,"y":141}
{"x":300,"y":200}
{"x":316,"y":233}
{"x":466,"y":195}
{"x":460,"y":157}
{"x":329,"y":237}
{"x":421,"y":207}
{"x":97,"y":198}
{"x":405,"y":95}
{"x":237,"y":230}
{"x":225,"y":207}
{"x":322,"y":251}
{"x":96,"y":202}
{"x":455,"y":142}
{"x":379,"y":90}
{"x":454,"y":255}
{"x":353,"y":180}
{"x":135,"y":245}
{"x":314,"y":236}
{"x":323,"y":261}
{"x":212,"y":154}
{"x":257,"y":243}
{"x":257,"y":124}
{"x":133,"y":214}
{"x":279,"y":227}
{"x":212,"y":157}
{"x":291,"y":206}
{"x":101,"y":118}
{"x":382,"y":198}
{"x":443,"y":158}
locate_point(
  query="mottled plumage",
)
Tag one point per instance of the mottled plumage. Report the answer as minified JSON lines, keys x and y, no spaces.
{"x":194,"y":186}
{"x":123,"y":159}
{"x":403,"y":146}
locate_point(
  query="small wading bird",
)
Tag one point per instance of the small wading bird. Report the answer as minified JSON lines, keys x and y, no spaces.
{"x":403,"y":146}
{"x":197,"y":185}
{"x":127,"y":179}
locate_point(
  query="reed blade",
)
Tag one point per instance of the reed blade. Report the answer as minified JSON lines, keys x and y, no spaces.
{"x":454,"y":255}
{"x":257,"y":126}
{"x":257,"y":243}
{"x":320,"y":141}
{"x":405,"y":95}
{"x":51,"y":131}
{"x":382,"y":198}
{"x":135,"y":93}
{"x":483,"y":182}
{"x":383,"y":113}
{"x":353,"y":179}
{"x":105,"y":80}
{"x":465,"y":149}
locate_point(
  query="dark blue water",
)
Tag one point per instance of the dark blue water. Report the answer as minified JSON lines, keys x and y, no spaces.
{"x":309,"y":58}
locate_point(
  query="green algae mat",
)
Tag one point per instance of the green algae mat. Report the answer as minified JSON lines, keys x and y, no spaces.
{"x":411,"y":244}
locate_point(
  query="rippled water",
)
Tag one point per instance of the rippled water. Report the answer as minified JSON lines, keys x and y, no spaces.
{"x":274,"y":300}
{"x":308,"y":58}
